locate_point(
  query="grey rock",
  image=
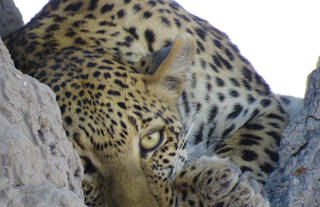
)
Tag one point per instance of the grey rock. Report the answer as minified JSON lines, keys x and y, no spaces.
{"x":38,"y":166}
{"x":296,"y":181}
{"x":10,"y":17}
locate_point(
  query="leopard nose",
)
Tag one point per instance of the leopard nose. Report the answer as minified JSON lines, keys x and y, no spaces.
{"x":129,"y":188}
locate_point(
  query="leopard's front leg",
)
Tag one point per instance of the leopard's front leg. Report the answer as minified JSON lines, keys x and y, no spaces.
{"x":213,"y":181}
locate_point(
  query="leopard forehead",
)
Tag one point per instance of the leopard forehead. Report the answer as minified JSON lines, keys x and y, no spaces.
{"x":108,"y":101}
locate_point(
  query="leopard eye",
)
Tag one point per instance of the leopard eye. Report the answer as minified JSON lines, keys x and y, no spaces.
{"x":88,"y":166}
{"x":152,"y":141}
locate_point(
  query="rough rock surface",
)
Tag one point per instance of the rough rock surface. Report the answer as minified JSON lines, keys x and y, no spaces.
{"x":38,"y":166}
{"x":10,"y":17}
{"x":296,"y":182}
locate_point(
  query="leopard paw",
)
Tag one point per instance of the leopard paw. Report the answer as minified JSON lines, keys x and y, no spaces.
{"x":213,"y":181}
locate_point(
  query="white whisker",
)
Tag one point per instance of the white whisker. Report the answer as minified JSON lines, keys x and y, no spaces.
{"x":193,"y":122}
{"x":198,"y":151}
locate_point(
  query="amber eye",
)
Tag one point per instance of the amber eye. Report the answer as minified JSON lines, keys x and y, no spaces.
{"x":152,"y":141}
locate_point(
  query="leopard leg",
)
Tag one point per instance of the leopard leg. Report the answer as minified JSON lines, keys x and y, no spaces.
{"x":213,"y":181}
{"x":254,"y":146}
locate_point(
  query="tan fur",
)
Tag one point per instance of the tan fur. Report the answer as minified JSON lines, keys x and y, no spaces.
{"x":97,"y":56}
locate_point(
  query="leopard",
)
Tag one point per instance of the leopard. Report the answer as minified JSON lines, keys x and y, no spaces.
{"x":161,"y":107}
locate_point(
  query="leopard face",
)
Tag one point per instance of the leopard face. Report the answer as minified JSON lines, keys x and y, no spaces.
{"x":124,"y":125}
{"x":131,"y":161}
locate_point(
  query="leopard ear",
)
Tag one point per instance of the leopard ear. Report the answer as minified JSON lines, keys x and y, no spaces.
{"x":169,"y":65}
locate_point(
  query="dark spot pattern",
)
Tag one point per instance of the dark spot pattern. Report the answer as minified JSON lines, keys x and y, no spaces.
{"x":92,"y":84}
{"x":106,"y":8}
{"x":249,"y":155}
{"x":150,"y":38}
{"x":74,"y":7}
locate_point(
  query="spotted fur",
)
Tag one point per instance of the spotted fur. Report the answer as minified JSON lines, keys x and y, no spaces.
{"x":124,"y":70}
